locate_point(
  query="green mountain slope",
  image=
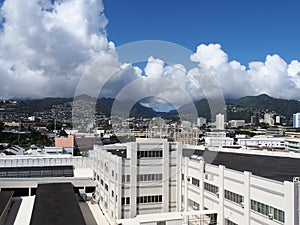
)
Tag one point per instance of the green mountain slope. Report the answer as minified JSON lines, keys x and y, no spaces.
{"x":265,"y":102}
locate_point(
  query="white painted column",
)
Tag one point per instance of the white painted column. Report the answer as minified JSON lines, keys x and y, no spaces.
{"x":166,"y":177}
{"x":133,"y":171}
{"x":247,"y":197}
{"x":297,"y":202}
{"x":119,"y":188}
{"x":221,"y":219}
{"x":179,"y":178}
{"x":289,"y":202}
{"x":201,"y":183}
{"x":186,"y":187}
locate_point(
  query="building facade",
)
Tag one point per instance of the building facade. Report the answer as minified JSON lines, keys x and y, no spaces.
{"x":137,"y":178}
{"x":220,"y":121}
{"x":156,"y":176}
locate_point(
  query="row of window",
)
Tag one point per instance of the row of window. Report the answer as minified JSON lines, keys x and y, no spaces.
{"x":211,"y":188}
{"x":149,"y":177}
{"x":234,"y":197}
{"x":143,"y":199}
{"x":149,"y":154}
{"x":193,"y":204}
{"x":149,"y":199}
{"x":267,"y":210}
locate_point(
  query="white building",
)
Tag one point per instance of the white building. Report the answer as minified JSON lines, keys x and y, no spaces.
{"x":241,"y":196}
{"x":220,"y":121}
{"x":218,"y":141}
{"x":236,"y":123}
{"x":138,"y":178}
{"x":292,"y":144}
{"x":262,"y":141}
{"x":201,"y":121}
{"x":155,"y":176}
{"x":278,"y":119}
{"x":152,"y":181}
{"x":268,"y":119}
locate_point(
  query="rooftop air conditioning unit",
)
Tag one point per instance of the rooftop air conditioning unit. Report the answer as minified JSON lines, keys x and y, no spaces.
{"x":271,"y":216}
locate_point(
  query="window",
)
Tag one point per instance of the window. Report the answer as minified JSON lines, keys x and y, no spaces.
{"x":234,"y":197}
{"x":161,"y":223}
{"x":112,"y":193}
{"x":106,"y":186}
{"x":267,"y":210}
{"x":101,"y":182}
{"x":195,"y":182}
{"x":112,"y":173}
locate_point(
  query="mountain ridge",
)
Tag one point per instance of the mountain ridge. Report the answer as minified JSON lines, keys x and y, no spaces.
{"x":261,"y":102}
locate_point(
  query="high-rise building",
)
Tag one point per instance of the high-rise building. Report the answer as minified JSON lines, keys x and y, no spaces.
{"x":296,"y":120}
{"x":220,"y":121}
{"x":201,"y":121}
{"x":268,"y":119}
{"x":278,"y":119}
{"x":255,"y":118}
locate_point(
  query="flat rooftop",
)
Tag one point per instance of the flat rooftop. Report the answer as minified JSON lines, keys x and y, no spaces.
{"x":271,"y":167}
{"x":49,"y":210}
{"x":5,"y":199}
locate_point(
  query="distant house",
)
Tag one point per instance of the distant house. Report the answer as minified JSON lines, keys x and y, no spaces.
{"x":68,"y":143}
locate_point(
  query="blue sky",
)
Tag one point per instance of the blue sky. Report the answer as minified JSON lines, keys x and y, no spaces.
{"x":247,"y":30}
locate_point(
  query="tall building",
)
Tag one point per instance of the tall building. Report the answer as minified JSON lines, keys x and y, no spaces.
{"x":255,"y":118}
{"x":201,"y":121}
{"x":138,"y":177}
{"x":268,"y":119}
{"x":296,"y":120}
{"x":220,"y":121}
{"x":277,"y":119}
{"x":155,"y":176}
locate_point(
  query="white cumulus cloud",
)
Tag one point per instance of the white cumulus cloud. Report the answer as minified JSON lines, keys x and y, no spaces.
{"x":45,"y":47}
